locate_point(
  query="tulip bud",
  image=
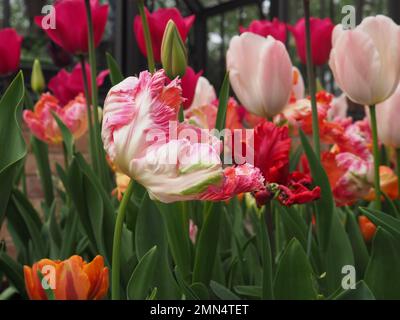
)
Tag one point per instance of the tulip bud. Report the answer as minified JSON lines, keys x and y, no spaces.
{"x":38,"y":83}
{"x":173,"y":52}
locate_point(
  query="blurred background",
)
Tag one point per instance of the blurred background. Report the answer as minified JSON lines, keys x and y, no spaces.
{"x":217,"y":21}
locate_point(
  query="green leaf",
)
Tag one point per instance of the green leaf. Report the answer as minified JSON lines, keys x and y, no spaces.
{"x":222,"y":292}
{"x":40,"y":150}
{"x":294,"y":278}
{"x":295,"y":158}
{"x":149,"y":232}
{"x":362,"y":292}
{"x":177,"y":228}
{"x":142,"y":277}
{"x":115,"y":71}
{"x":12,"y":145}
{"x":360,"y":250}
{"x":223,"y":103}
{"x":68,"y":139}
{"x":266,"y":259}
{"x":253,"y":292}
{"x":14,"y":272}
{"x":200,"y":290}
{"x":325,"y":205}
{"x":383,"y":220}
{"x":383,"y":272}
{"x":207,"y":243}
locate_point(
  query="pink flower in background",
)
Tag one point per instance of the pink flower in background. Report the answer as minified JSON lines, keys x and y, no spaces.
{"x":189,"y":83}
{"x":10,"y":51}
{"x":43,"y":125}
{"x":71,"y":30}
{"x":265,"y":28}
{"x":193,"y":229}
{"x":157,"y":22}
{"x":204,"y":93}
{"x":321,"y":34}
{"x":260,"y":72}
{"x":138,"y":113}
{"x":67,"y":85}
{"x":366,"y":60}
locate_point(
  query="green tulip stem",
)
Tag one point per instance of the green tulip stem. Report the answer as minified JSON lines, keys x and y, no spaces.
{"x":116,"y":253}
{"x":377,"y":160}
{"x":398,"y":169}
{"x":147,"y":37}
{"x":311,"y":80}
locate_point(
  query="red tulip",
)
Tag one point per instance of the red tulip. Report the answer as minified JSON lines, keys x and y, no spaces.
{"x":71,"y":30}
{"x":265,"y":28}
{"x":188,"y":84}
{"x":66,"y":86}
{"x":157,"y":22}
{"x":10,"y":50}
{"x":321,"y":43}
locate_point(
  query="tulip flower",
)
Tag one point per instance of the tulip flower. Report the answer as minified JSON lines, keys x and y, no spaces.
{"x":260,"y":72}
{"x":71,"y":30}
{"x":158,"y":21}
{"x":193,"y":229}
{"x":366,"y":60}
{"x":67,"y":85}
{"x":298,"y":88}
{"x":389,"y":184}
{"x":321,"y":34}
{"x":10,"y":51}
{"x":265,"y":28}
{"x":173,"y":52}
{"x":71,"y":279}
{"x":38,"y":83}
{"x":42,"y":124}
{"x":172,"y":166}
{"x":386,"y":116}
{"x":367,"y":228}
{"x":189,"y":85}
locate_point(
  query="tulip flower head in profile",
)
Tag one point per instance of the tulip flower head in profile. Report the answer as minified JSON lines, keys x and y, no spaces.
{"x":387,"y":119}
{"x":366,"y":60}
{"x":260,"y":72}
{"x":173,"y":164}
{"x":158,"y":21}
{"x":265,"y":28}
{"x":71,"y":279}
{"x":43,"y":125}
{"x":321,"y":34}
{"x":173,"y":52}
{"x":71,"y":29}
{"x":10,"y":51}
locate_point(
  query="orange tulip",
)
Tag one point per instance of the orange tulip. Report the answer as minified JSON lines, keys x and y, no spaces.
{"x":367,"y":228}
{"x":71,"y":279}
{"x":389,"y":184}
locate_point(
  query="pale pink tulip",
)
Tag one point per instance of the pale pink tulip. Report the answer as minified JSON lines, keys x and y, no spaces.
{"x":204,"y":93}
{"x":339,"y":108}
{"x":260,"y":72}
{"x":387,"y":116}
{"x":173,"y":161}
{"x":298,"y":89}
{"x":366,"y":60}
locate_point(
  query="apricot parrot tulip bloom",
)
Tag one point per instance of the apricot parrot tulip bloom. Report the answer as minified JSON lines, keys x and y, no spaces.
{"x":366,"y":60}
{"x":158,"y":21}
{"x":387,"y":117}
{"x":265,"y":28}
{"x":172,"y":163}
{"x":260,"y":72}
{"x":71,"y":30}
{"x":10,"y":50}
{"x":71,"y":279}
{"x":43,"y":125}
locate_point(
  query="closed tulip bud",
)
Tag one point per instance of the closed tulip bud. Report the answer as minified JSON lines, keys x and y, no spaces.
{"x":173,"y":52}
{"x":38,"y":83}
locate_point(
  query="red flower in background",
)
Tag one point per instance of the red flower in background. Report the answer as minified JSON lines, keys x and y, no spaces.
{"x":321,"y":39}
{"x":71,"y":30}
{"x":67,"y":85}
{"x":265,"y":28}
{"x":10,"y":50}
{"x":157,"y":22}
{"x":188,"y":84}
